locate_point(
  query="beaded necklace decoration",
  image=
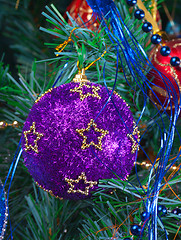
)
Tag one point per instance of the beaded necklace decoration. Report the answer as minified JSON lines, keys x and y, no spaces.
{"x":3,"y":212}
{"x":147,"y":27}
{"x":4,"y":124}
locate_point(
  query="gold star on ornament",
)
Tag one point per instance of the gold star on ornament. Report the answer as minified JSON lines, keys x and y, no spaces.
{"x":38,"y":136}
{"x":133,"y":139}
{"x":81,"y":177}
{"x":84,"y":142}
{"x":79,"y":90}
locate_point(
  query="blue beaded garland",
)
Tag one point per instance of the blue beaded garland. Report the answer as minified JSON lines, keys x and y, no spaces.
{"x":175,"y":61}
{"x":147,"y":27}
{"x":139,"y":14}
{"x":3,"y":212}
{"x":162,"y":210}
{"x":144,"y":216}
{"x":131,"y":2}
{"x":177,"y":211}
{"x":156,"y":39}
{"x":165,"y":51}
{"x":136,"y":230}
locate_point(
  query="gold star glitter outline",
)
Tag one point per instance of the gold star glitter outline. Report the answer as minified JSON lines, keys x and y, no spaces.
{"x":49,"y":90}
{"x":80,"y":177}
{"x":39,"y":135}
{"x":135,"y":144}
{"x":79,"y":90}
{"x":96,"y":129}
{"x":48,"y":191}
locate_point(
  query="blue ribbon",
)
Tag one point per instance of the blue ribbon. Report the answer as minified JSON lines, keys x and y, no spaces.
{"x":136,"y":58}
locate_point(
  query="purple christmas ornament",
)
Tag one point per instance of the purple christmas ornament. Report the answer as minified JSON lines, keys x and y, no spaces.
{"x":71,"y":139}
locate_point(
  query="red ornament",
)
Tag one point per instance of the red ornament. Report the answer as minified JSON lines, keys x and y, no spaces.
{"x":81,"y":8}
{"x":162,"y":63}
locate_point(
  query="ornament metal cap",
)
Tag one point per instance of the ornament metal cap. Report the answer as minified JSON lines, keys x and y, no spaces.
{"x":80,"y":77}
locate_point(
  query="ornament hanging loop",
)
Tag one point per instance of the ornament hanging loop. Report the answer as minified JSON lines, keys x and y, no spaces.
{"x":80,"y":77}
{"x":61,"y":46}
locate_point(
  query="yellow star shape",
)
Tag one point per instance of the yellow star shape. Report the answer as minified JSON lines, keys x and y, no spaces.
{"x":38,"y":136}
{"x":135,"y":142}
{"x":84,"y":142}
{"x":79,"y":90}
{"x":81,"y":177}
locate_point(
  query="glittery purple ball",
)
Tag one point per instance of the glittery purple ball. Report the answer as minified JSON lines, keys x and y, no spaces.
{"x":73,"y":137}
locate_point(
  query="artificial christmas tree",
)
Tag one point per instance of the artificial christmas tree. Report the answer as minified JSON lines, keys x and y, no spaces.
{"x":117,"y":209}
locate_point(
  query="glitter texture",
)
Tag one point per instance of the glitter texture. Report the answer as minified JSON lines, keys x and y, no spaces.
{"x":81,"y":177}
{"x":3,"y":212}
{"x":90,"y":138}
{"x":59,"y":115}
{"x":29,"y":143}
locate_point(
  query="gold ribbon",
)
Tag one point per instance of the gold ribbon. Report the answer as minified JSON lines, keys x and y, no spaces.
{"x":17,"y":4}
{"x":154,"y":9}
{"x":148,"y":16}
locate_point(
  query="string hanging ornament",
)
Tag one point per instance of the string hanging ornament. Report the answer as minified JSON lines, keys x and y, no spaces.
{"x":74,"y":136}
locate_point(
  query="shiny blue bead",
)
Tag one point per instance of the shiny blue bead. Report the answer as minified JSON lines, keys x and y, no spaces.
{"x":144,"y":216}
{"x":162,"y":210}
{"x":165,"y":51}
{"x":131,"y":2}
{"x":177,"y":211}
{"x":127,"y":239}
{"x":175,"y":61}
{"x":147,"y":27}
{"x":156,"y":39}
{"x":139,"y":14}
{"x":136,"y":230}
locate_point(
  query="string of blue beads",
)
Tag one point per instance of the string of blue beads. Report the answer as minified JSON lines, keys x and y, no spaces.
{"x":162,"y":211}
{"x":176,"y":211}
{"x":136,"y":229}
{"x":155,"y":38}
{"x":139,"y":14}
{"x":3,"y":212}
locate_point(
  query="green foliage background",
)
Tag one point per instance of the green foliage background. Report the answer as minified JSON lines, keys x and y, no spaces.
{"x":32,"y":69}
